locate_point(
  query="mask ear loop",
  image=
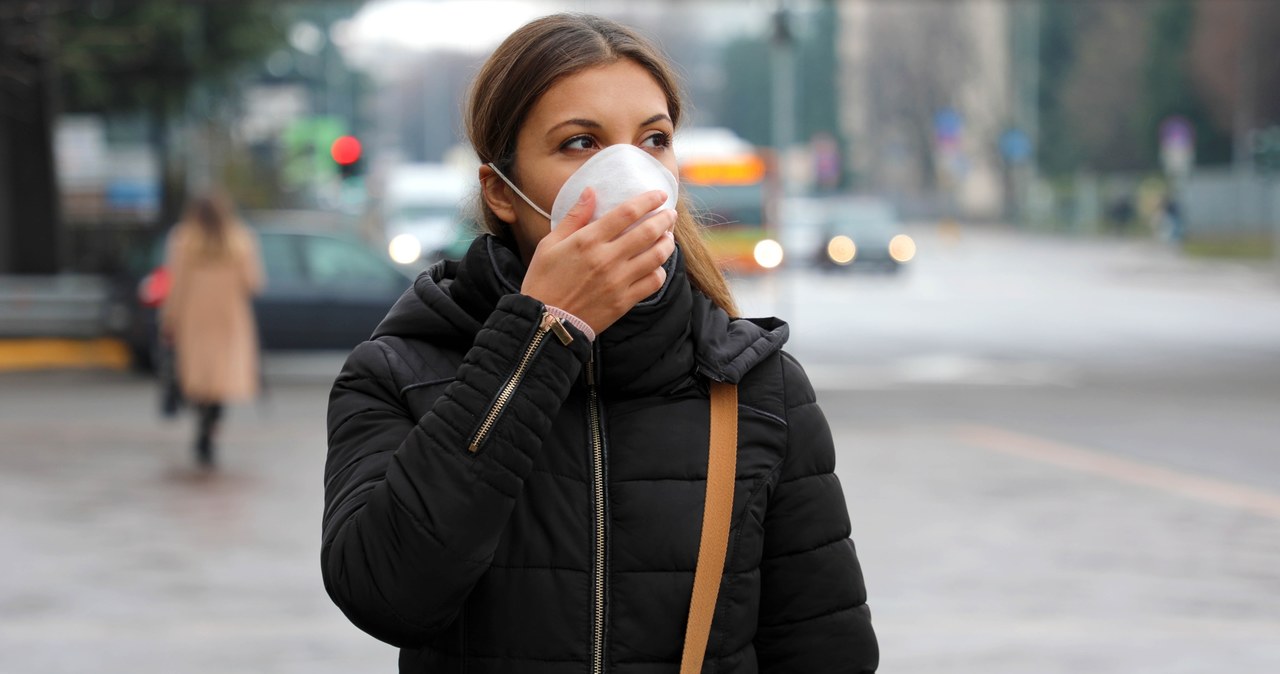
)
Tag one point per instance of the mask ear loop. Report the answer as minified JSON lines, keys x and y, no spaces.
{"x":512,"y":185}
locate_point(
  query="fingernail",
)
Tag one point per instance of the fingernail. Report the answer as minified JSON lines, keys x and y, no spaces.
{"x":586,"y":192}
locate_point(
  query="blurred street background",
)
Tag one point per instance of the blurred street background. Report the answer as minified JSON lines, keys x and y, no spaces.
{"x":1029,"y":251}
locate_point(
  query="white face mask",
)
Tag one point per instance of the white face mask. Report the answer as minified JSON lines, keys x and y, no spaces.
{"x":618,"y":172}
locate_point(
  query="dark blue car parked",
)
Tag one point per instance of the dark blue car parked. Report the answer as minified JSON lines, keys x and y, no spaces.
{"x":324,"y":292}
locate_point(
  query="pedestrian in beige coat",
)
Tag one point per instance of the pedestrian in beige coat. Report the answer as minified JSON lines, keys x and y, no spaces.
{"x":214,"y":262}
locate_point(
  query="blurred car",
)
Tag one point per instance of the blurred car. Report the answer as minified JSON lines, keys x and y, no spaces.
{"x":861,"y":233}
{"x":324,"y":291}
{"x":423,"y":207}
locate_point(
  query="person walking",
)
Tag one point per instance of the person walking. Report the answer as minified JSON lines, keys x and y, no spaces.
{"x":525,"y":462}
{"x":216,"y":270}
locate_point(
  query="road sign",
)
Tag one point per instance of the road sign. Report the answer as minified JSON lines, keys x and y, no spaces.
{"x":1015,"y":145}
{"x":947,"y":127}
{"x":1177,"y":145}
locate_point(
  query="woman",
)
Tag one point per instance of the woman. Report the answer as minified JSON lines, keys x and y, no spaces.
{"x":517,"y":458}
{"x":208,"y":315}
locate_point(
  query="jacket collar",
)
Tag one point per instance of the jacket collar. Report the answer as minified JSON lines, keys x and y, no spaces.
{"x":655,"y":349}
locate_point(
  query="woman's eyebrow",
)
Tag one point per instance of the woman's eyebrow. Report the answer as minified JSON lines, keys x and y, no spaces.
{"x":592,"y":124}
{"x":655,"y":118}
{"x":588,"y":123}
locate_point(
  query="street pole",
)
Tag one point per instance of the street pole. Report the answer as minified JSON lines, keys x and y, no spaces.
{"x":783,"y":112}
{"x":1031,"y":111}
{"x":1246,"y":90}
{"x":1245,"y":132}
{"x":1024,"y":74}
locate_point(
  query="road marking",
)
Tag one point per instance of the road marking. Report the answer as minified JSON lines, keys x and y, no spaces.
{"x":1207,"y":490}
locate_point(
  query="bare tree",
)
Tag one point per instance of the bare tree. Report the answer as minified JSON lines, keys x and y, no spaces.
{"x":1104,"y":94}
{"x":919,"y":56}
{"x":1236,"y":62}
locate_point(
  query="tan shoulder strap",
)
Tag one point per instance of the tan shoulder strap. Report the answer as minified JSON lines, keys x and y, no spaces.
{"x":722,"y":464}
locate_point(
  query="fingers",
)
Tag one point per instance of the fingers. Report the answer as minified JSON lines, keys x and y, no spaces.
{"x":597,"y":272}
{"x":647,"y":285}
{"x":646,"y":233}
{"x":580,"y":214}
{"x":648,"y":245}
{"x":645,"y":270}
{"x":651,"y":257}
{"x":617,"y":220}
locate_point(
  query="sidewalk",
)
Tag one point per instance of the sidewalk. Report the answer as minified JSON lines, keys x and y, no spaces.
{"x":123,"y":557}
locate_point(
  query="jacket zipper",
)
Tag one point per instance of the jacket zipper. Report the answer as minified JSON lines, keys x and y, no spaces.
{"x":598,"y":501}
{"x":549,"y":324}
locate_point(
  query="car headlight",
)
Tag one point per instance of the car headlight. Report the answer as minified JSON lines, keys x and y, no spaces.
{"x":841,"y":249}
{"x":405,"y":249}
{"x":768,"y":253}
{"x":902,"y":248}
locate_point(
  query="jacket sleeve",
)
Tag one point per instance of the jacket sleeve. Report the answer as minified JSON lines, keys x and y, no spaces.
{"x":813,"y":604}
{"x":412,"y":517}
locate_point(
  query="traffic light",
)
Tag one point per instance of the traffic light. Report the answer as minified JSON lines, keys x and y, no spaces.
{"x":346,"y":152}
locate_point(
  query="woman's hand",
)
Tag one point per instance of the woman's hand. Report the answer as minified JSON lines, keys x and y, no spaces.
{"x":596,"y":271}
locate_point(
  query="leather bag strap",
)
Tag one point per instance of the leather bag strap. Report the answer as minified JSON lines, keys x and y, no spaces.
{"x":722,"y":463}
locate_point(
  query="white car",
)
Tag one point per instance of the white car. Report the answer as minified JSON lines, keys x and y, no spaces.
{"x":423,"y":208}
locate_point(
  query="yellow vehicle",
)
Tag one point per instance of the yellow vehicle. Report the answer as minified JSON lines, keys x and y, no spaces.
{"x":727,"y":183}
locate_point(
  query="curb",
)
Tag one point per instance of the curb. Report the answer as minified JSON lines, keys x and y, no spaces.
{"x":17,"y":355}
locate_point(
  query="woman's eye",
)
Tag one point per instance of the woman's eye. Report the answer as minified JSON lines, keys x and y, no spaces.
{"x":657,"y":140}
{"x":579,"y":143}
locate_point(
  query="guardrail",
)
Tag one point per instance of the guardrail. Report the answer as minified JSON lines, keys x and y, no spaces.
{"x":1226,"y":203}
{"x":66,"y":305}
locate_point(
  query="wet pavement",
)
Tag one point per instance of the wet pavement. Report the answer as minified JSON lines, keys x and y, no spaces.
{"x":998,"y":538}
{"x":120,"y":556}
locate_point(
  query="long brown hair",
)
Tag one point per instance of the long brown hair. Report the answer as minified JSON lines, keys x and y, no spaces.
{"x":534,"y":58}
{"x":212,"y":219}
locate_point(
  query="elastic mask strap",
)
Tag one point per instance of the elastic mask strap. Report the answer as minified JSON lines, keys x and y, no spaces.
{"x":512,"y":185}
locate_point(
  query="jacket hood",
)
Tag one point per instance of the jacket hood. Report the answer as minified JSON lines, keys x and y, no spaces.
{"x":657,"y":346}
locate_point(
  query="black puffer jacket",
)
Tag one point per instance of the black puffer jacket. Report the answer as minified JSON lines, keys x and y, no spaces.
{"x":566,"y":541}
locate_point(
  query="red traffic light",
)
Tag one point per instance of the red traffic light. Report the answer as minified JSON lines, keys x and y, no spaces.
{"x":345,"y":150}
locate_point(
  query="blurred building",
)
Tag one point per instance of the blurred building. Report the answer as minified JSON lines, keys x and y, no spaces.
{"x":925,"y":95}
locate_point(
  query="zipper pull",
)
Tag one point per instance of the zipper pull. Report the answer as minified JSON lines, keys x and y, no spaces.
{"x":556,"y":326}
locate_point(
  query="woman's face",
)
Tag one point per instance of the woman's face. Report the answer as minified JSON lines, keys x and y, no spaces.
{"x":577,"y":117}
